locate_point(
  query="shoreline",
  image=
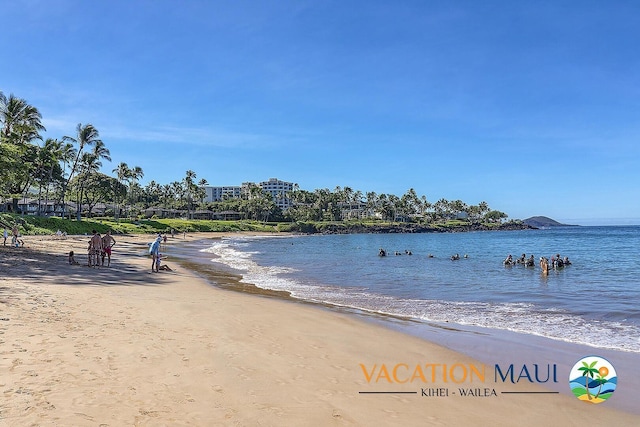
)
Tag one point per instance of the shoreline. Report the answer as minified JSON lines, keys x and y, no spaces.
{"x":122,"y":346}
{"x":485,"y":344}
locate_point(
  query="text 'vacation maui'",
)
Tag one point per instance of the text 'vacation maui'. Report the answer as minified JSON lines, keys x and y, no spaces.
{"x":459,"y":374}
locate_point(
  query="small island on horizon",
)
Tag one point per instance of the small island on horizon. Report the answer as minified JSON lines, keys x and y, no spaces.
{"x":544,"y":222}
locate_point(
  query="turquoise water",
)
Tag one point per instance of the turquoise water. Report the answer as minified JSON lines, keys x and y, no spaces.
{"x":594,"y":301}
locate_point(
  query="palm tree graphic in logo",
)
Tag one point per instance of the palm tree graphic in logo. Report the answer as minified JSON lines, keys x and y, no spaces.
{"x":593,"y":379}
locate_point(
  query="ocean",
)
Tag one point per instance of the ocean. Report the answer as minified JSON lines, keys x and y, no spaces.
{"x":592,"y":302}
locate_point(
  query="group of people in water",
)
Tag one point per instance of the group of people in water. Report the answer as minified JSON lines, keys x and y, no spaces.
{"x":382,"y":252}
{"x":556,"y":262}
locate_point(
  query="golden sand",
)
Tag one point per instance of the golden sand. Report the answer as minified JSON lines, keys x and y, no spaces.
{"x":121,"y":346}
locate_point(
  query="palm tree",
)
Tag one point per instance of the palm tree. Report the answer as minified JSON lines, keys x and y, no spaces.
{"x":425,"y":205}
{"x":86,"y":135}
{"x":122,"y":172}
{"x":100,"y":151}
{"x":483,"y":208}
{"x":201,"y":191}
{"x":410,"y":202}
{"x":16,"y":113}
{"x":396,"y":207}
{"x":21,"y":124}
{"x":372,"y":203}
{"x":177,"y":191}
{"x":135,"y":174}
{"x":49,"y":157}
{"x":189,"y":189}
{"x":356,"y":199}
{"x":587,"y":371}
{"x":152,"y":194}
{"x":90,"y":164}
{"x":168,"y":195}
{"x":67,"y":154}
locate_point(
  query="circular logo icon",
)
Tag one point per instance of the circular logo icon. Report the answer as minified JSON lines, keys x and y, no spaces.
{"x":593,"y":379}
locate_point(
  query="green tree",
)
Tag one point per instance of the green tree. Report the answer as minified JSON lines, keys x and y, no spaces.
{"x":495,"y":216}
{"x":97,"y":188}
{"x":90,"y":163}
{"x":201,"y":192}
{"x":123,"y":173}
{"x":48,"y":169}
{"x":189,"y":190}
{"x":371,"y":204}
{"x":86,"y":136}
{"x":20,"y":126}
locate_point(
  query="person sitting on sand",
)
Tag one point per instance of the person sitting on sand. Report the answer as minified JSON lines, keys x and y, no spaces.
{"x":163,"y":267}
{"x":72,"y":260}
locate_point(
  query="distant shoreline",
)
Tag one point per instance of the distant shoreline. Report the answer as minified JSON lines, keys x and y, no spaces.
{"x":346,"y":228}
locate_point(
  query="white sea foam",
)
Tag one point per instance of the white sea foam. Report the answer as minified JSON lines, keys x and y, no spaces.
{"x":517,"y":317}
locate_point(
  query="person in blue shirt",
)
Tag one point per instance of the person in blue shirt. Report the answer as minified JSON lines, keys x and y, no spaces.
{"x":154,"y":251}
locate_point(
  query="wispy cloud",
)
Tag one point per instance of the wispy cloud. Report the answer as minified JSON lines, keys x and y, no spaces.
{"x":193,"y":136}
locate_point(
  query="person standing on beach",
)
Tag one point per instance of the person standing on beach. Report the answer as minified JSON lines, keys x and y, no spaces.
{"x":107,"y":243}
{"x":5,"y":234}
{"x":154,"y":251}
{"x":14,"y":238}
{"x":95,"y":248}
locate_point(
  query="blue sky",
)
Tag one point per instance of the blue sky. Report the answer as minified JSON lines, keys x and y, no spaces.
{"x":533,"y":107}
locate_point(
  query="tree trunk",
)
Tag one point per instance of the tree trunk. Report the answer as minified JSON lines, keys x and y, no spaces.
{"x":39,"y":199}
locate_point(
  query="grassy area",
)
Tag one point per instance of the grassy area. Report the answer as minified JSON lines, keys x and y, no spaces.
{"x":49,"y":225}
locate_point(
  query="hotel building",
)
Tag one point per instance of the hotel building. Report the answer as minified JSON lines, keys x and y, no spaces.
{"x":276,"y":188}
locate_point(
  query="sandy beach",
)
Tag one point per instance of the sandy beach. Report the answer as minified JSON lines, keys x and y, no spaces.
{"x":121,"y":346}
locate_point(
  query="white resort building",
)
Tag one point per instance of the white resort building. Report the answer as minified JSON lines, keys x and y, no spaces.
{"x":216,"y":194}
{"x":276,"y":188}
{"x":279,"y":190}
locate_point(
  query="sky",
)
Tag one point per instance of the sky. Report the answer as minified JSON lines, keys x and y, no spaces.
{"x":533,"y":107}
